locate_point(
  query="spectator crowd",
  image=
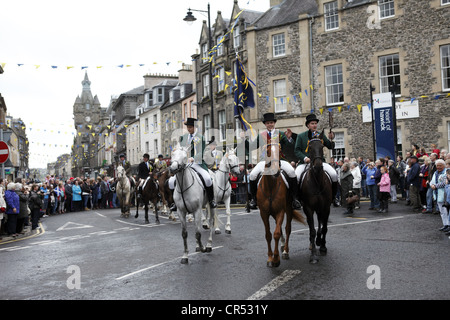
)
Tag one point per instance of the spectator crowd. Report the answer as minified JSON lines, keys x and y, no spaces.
{"x":421,"y":179}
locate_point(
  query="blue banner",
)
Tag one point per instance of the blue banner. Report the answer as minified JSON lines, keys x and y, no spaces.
{"x":384,"y":126}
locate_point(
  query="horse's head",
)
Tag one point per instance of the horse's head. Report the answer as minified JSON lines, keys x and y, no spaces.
{"x":179,"y":159}
{"x":315,"y":149}
{"x":232,"y":161}
{"x":272,"y":158}
{"x":120,"y":171}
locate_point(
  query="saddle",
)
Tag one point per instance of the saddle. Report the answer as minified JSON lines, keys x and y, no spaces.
{"x":307,"y":168}
{"x":283,"y":175}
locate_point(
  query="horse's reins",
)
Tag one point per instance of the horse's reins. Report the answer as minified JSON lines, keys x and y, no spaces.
{"x":227,"y":181}
{"x":182,"y":168}
{"x":311,"y":167}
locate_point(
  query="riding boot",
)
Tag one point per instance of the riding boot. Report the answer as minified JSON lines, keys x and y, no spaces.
{"x":210,"y":194}
{"x":334,"y":188}
{"x":293,"y":188}
{"x":139,"y":195}
{"x":253,"y":191}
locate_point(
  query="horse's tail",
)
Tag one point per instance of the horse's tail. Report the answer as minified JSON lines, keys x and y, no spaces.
{"x":298,"y":217}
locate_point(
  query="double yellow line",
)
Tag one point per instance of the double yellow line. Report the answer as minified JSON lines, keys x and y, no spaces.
{"x":40,"y":231}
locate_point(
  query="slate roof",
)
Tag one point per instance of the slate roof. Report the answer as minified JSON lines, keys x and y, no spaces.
{"x":286,"y":12}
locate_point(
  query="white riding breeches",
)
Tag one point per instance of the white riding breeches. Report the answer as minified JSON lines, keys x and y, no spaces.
{"x":199,"y":169}
{"x":259,"y":168}
{"x":329,"y":169}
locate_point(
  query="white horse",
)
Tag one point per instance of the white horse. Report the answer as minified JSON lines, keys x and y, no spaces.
{"x":190,"y":197}
{"x":123,"y":191}
{"x":222,"y":185}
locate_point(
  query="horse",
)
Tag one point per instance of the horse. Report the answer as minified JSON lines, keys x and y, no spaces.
{"x":274,"y":200}
{"x":316,"y":196}
{"x":123,"y":191}
{"x":150,"y":193}
{"x":165,"y":192}
{"x":228,"y":164}
{"x":190,"y":197}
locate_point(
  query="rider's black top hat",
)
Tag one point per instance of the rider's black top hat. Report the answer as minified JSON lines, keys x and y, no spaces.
{"x":190,"y":122}
{"x":269,"y":117}
{"x":311,"y":117}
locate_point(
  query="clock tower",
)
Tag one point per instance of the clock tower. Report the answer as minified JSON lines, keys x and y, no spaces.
{"x":86,"y":115}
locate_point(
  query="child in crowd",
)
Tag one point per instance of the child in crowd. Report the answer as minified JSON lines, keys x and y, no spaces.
{"x":384,"y":189}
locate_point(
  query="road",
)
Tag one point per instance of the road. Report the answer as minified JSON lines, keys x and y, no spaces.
{"x":97,"y":255}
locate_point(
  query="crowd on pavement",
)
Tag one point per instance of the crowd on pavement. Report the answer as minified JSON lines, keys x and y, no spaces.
{"x":421,"y":179}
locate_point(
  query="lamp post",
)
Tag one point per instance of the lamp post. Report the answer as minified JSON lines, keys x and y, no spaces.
{"x":190,"y":19}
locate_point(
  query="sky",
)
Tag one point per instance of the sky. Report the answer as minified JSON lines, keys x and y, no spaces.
{"x":56,"y":42}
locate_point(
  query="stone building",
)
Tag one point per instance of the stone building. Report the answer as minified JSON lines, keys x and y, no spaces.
{"x":87,"y":113}
{"x":230,"y":38}
{"x":322,"y":56}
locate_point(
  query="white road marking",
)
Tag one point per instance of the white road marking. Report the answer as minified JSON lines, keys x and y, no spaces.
{"x":351,"y":223}
{"x":141,"y":225}
{"x":72,"y":225}
{"x":286,"y":276}
{"x":159,"y":264}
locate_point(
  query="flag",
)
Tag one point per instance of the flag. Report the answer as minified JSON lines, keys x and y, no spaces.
{"x":243,"y":94}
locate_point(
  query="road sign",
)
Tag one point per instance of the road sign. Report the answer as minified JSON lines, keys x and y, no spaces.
{"x":4,"y":152}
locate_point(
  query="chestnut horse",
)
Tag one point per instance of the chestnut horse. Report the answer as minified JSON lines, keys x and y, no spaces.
{"x":274,"y":200}
{"x":316,"y":196}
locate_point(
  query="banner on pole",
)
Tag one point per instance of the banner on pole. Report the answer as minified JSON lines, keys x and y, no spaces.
{"x":384,"y":125}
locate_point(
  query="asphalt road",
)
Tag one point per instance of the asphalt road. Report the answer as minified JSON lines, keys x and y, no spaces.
{"x":97,"y":255}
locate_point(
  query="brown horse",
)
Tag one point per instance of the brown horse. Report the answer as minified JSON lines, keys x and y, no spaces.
{"x":274,"y":200}
{"x":164,"y":190}
{"x":316,"y":196}
{"x":150,"y":193}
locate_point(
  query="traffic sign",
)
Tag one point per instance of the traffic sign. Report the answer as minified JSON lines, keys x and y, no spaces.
{"x":4,"y":152}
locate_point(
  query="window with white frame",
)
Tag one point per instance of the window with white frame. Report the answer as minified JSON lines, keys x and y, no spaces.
{"x":204,"y":53}
{"x":279,"y":45}
{"x":219,"y":46}
{"x":386,"y":8}
{"x":279,"y":93}
{"x":174,"y":120}
{"x":222,"y":125}
{"x":334,"y":85}
{"x":155,"y":122}
{"x":338,"y":153}
{"x":159,"y":95}
{"x":206,"y":126}
{"x":186,"y":111}
{"x":221,"y":79}
{"x":444,"y":2}
{"x":147,"y":147}
{"x":155,"y":146}
{"x":390,"y":73}
{"x":182,"y":91}
{"x":206,"y":85}
{"x":445,"y":67}
{"x":330,"y":10}
{"x":237,"y":37}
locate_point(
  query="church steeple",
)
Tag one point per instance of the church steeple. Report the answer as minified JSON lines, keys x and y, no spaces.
{"x":86,"y":83}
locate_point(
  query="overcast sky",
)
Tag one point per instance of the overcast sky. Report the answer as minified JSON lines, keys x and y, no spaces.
{"x":92,"y":34}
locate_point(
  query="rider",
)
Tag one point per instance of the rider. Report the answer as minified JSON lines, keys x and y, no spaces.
{"x":160,"y":164}
{"x":284,"y":139}
{"x":302,"y":154}
{"x":127,"y":166}
{"x":212,"y":155}
{"x":144,"y":170}
{"x":197,"y":142}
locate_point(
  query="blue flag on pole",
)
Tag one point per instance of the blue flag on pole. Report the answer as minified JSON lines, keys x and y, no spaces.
{"x":243,"y":95}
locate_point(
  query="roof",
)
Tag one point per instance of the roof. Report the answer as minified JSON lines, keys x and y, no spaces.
{"x":286,"y":12}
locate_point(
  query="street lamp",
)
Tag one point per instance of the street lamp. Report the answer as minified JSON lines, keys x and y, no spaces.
{"x":190,"y":19}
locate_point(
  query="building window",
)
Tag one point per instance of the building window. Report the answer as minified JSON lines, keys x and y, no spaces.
{"x":279,"y":45}
{"x":390,"y":73}
{"x":182,"y":91}
{"x":338,"y":153}
{"x":444,"y":2}
{"x":166,"y":117}
{"x":146,"y":125}
{"x":334,"y":84}
{"x":150,"y":99}
{"x":159,"y":95}
{"x":279,"y":92}
{"x":386,"y":8}
{"x":88,"y":106}
{"x":204,"y":53}
{"x":206,"y":85}
{"x":147,"y":147}
{"x":155,"y":122}
{"x":206,"y":126}
{"x":222,"y":125}
{"x":219,"y":46}
{"x":155,"y":146}
{"x":221,"y":80}
{"x":445,"y":67}
{"x":330,"y":10}
{"x":237,"y":37}
{"x":186,"y":111}
{"x":174,"y":120}
{"x":192,"y":106}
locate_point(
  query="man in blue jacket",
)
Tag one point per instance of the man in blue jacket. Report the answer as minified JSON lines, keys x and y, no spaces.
{"x":413,"y":182}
